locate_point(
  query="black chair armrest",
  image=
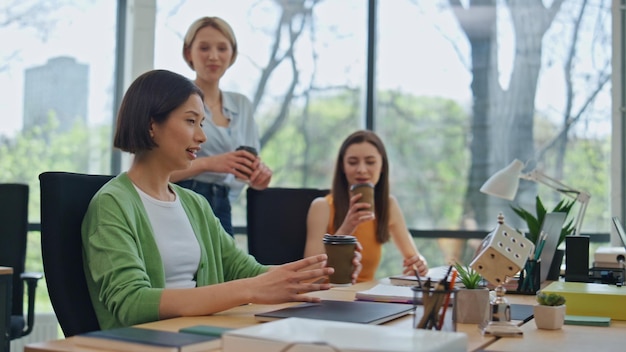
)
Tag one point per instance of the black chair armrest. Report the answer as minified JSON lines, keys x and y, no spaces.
{"x":31,"y":279}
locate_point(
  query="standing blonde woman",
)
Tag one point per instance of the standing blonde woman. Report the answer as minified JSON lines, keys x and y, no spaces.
{"x":221,"y":172}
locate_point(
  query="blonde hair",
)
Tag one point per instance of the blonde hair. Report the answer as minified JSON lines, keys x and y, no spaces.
{"x":215,"y":22}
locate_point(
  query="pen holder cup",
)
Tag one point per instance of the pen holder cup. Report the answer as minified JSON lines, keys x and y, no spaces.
{"x":434,"y":309}
{"x":530,"y":277}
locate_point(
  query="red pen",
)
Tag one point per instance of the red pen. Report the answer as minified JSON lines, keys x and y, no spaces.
{"x":445,"y":305}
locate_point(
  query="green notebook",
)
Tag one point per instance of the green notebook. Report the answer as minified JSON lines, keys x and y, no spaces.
{"x":587,"y":320}
{"x":205,"y":330}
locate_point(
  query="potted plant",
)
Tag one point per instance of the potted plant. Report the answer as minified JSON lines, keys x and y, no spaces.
{"x":534,"y":222}
{"x":549,"y":311}
{"x":472,"y":300}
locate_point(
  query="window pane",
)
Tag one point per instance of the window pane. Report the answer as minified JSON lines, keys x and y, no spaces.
{"x":300,"y":63}
{"x":56,"y":81}
{"x":473,"y":88}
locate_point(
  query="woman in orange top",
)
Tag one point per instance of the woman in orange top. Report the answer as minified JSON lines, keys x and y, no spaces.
{"x":362,"y":159}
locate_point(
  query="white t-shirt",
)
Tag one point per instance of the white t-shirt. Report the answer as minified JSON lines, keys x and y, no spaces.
{"x":178,"y":245}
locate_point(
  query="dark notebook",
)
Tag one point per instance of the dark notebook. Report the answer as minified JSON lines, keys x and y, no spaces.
{"x":139,"y":339}
{"x":347,"y":311}
{"x":523,"y":312}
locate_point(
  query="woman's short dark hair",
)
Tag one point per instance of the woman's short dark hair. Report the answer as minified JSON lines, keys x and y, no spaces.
{"x":150,"y":98}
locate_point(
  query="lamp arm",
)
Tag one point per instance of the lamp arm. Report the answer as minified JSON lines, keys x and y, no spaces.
{"x":580,"y":196}
{"x":540,"y":177}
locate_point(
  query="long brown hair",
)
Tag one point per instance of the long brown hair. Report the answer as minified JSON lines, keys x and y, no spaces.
{"x":340,"y":188}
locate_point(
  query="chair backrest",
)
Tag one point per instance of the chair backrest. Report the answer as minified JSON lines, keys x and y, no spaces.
{"x":64,"y":201}
{"x":13,"y":237}
{"x":277,"y":223}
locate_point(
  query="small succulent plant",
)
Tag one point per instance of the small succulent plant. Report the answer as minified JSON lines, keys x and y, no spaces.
{"x":550,"y":299}
{"x":469,"y":277}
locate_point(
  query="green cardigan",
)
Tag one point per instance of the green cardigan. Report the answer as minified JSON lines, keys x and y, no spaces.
{"x":123,"y":268}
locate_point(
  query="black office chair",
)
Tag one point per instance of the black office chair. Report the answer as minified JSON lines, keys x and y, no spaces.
{"x":13,"y":239}
{"x":277,"y":223}
{"x":64,"y":200}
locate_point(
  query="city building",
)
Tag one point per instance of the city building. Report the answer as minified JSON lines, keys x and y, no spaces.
{"x":59,"y":88}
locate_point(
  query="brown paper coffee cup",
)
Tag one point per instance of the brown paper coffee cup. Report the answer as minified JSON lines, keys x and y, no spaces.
{"x":367,"y":192}
{"x":340,"y":252}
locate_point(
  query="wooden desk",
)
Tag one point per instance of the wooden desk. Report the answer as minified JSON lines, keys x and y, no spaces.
{"x":6,"y":291}
{"x":570,"y":338}
{"x":243,"y":316}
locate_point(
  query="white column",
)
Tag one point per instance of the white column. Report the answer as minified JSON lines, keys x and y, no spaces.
{"x":139,"y":46}
{"x":618,"y":138}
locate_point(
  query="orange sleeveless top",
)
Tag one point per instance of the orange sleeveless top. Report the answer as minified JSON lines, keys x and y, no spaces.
{"x":366,"y":235}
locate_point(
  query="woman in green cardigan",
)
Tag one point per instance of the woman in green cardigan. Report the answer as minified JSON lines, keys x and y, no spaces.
{"x":154,"y":250}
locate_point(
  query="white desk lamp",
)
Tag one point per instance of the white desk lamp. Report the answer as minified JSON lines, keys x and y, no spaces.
{"x":505,"y":182}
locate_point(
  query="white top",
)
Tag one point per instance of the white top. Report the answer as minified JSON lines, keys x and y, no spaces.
{"x":177,"y":243}
{"x":242,"y":130}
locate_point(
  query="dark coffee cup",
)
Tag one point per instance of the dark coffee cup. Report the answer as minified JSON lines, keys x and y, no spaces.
{"x":340,"y":251}
{"x":250,"y":150}
{"x":367,"y":193}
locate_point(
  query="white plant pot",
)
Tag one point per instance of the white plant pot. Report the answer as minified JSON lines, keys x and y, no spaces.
{"x":549,"y":317}
{"x":472,"y":305}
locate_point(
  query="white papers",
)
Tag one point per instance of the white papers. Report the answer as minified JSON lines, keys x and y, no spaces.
{"x":388,"y":293}
{"x":435,"y":274}
{"x":308,"y":335}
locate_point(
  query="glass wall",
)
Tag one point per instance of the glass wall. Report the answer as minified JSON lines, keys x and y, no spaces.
{"x":56,"y":86}
{"x":460,"y":92}
{"x":464,"y":90}
{"x":301,"y":64}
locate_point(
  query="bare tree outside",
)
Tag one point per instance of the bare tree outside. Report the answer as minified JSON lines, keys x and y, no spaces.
{"x":503,"y":125}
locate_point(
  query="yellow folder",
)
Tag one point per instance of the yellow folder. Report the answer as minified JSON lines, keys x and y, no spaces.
{"x":591,"y":299}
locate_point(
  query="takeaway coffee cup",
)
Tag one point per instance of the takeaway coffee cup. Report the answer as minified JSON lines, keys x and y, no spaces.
{"x":251,"y":150}
{"x":367,"y":192}
{"x":340,"y":251}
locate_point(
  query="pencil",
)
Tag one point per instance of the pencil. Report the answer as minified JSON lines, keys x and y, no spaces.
{"x":427,"y":303}
{"x":417,"y":275}
{"x":540,"y":248}
{"x":445,"y":305}
{"x":439,"y":299}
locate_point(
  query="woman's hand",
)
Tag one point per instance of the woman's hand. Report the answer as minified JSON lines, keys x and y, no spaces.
{"x":356,"y":262}
{"x":415,"y":265}
{"x":239,"y":163}
{"x":358,"y":213}
{"x":289,"y":282}
{"x":261,"y":176}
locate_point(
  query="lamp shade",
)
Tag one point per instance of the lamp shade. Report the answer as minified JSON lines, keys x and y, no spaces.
{"x":504,"y":183}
